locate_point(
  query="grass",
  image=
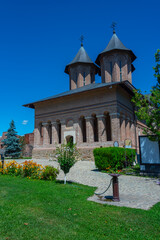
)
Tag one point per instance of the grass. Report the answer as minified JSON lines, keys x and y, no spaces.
{"x":32,"y":209}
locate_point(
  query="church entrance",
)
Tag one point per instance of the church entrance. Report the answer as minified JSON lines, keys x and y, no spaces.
{"x":69,"y":140}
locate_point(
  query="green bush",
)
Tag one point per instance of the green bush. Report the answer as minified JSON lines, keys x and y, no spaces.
{"x":114,"y":158}
{"x":49,"y":173}
{"x":67,"y":155}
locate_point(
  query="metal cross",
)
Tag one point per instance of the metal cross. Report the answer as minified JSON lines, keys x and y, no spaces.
{"x":113,"y":26}
{"x":81,"y":39}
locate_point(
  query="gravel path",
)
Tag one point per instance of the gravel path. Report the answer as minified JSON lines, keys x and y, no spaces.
{"x":135,"y":192}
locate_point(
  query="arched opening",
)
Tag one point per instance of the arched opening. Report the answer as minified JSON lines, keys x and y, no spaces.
{"x":59,"y":131}
{"x":69,"y":140}
{"x":50,"y":132}
{"x":108,"y":126}
{"x":95,"y":127}
{"x":83,"y":129}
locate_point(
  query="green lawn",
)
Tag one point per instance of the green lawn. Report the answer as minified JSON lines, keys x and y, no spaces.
{"x":32,"y":209}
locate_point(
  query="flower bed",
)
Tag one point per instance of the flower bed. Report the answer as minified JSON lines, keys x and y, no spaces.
{"x":29,"y":169}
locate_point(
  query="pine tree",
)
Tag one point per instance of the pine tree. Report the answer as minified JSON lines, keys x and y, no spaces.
{"x":11,"y":143}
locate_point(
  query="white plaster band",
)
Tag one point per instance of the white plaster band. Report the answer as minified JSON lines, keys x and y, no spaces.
{"x":114,"y":114}
{"x":100,"y":116}
{"x":45,"y":124}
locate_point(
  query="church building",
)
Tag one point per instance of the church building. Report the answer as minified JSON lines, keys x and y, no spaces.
{"x":91,"y":114}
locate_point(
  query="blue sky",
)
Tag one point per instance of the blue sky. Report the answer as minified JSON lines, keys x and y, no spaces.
{"x":38,"y":38}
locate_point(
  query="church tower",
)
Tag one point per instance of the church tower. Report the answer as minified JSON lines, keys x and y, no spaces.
{"x":81,"y":70}
{"x":116,"y":61}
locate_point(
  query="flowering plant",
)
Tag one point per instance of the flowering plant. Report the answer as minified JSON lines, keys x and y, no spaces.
{"x":29,"y":169}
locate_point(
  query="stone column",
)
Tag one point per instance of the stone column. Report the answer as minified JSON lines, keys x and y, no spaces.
{"x":115,"y":126}
{"x":62,"y":130}
{"x":37,"y":136}
{"x":123,"y":128}
{"x":133,"y":133}
{"x":79,"y":134}
{"x":45,"y":134}
{"x":89,"y":130}
{"x":102,"y":135}
{"x":54,"y":133}
{"x":127,"y":128}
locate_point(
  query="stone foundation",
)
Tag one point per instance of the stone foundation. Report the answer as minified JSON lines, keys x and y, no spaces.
{"x":86,"y":154}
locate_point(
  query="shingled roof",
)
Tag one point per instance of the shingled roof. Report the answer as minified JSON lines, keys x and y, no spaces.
{"x":125,"y":84}
{"x":115,"y":44}
{"x":81,"y":57}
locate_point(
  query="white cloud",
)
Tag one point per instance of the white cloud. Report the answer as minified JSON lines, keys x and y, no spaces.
{"x":25,"y":122}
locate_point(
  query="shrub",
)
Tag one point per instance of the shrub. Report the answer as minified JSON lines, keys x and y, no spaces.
{"x":114,"y":158}
{"x":49,"y":173}
{"x":67,"y":156}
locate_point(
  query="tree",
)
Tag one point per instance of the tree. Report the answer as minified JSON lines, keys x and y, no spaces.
{"x":11,"y":143}
{"x":67,"y":156}
{"x":148,"y":106}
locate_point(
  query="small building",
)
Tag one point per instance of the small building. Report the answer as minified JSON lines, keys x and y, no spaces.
{"x":91,"y":114}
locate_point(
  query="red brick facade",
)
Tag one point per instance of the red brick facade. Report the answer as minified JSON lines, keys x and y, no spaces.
{"x":100,"y":113}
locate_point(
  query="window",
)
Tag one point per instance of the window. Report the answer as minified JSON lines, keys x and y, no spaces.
{"x":92,"y":80}
{"x":84,"y":76}
{"x":111,"y":70}
{"x":120,"y":67}
{"x":76,"y":79}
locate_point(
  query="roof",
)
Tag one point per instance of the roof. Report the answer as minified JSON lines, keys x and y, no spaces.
{"x":81,"y":57}
{"x":125,"y":84}
{"x":115,"y":44}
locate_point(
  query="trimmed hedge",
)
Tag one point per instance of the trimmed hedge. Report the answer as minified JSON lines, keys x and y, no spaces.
{"x":114,"y":158}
